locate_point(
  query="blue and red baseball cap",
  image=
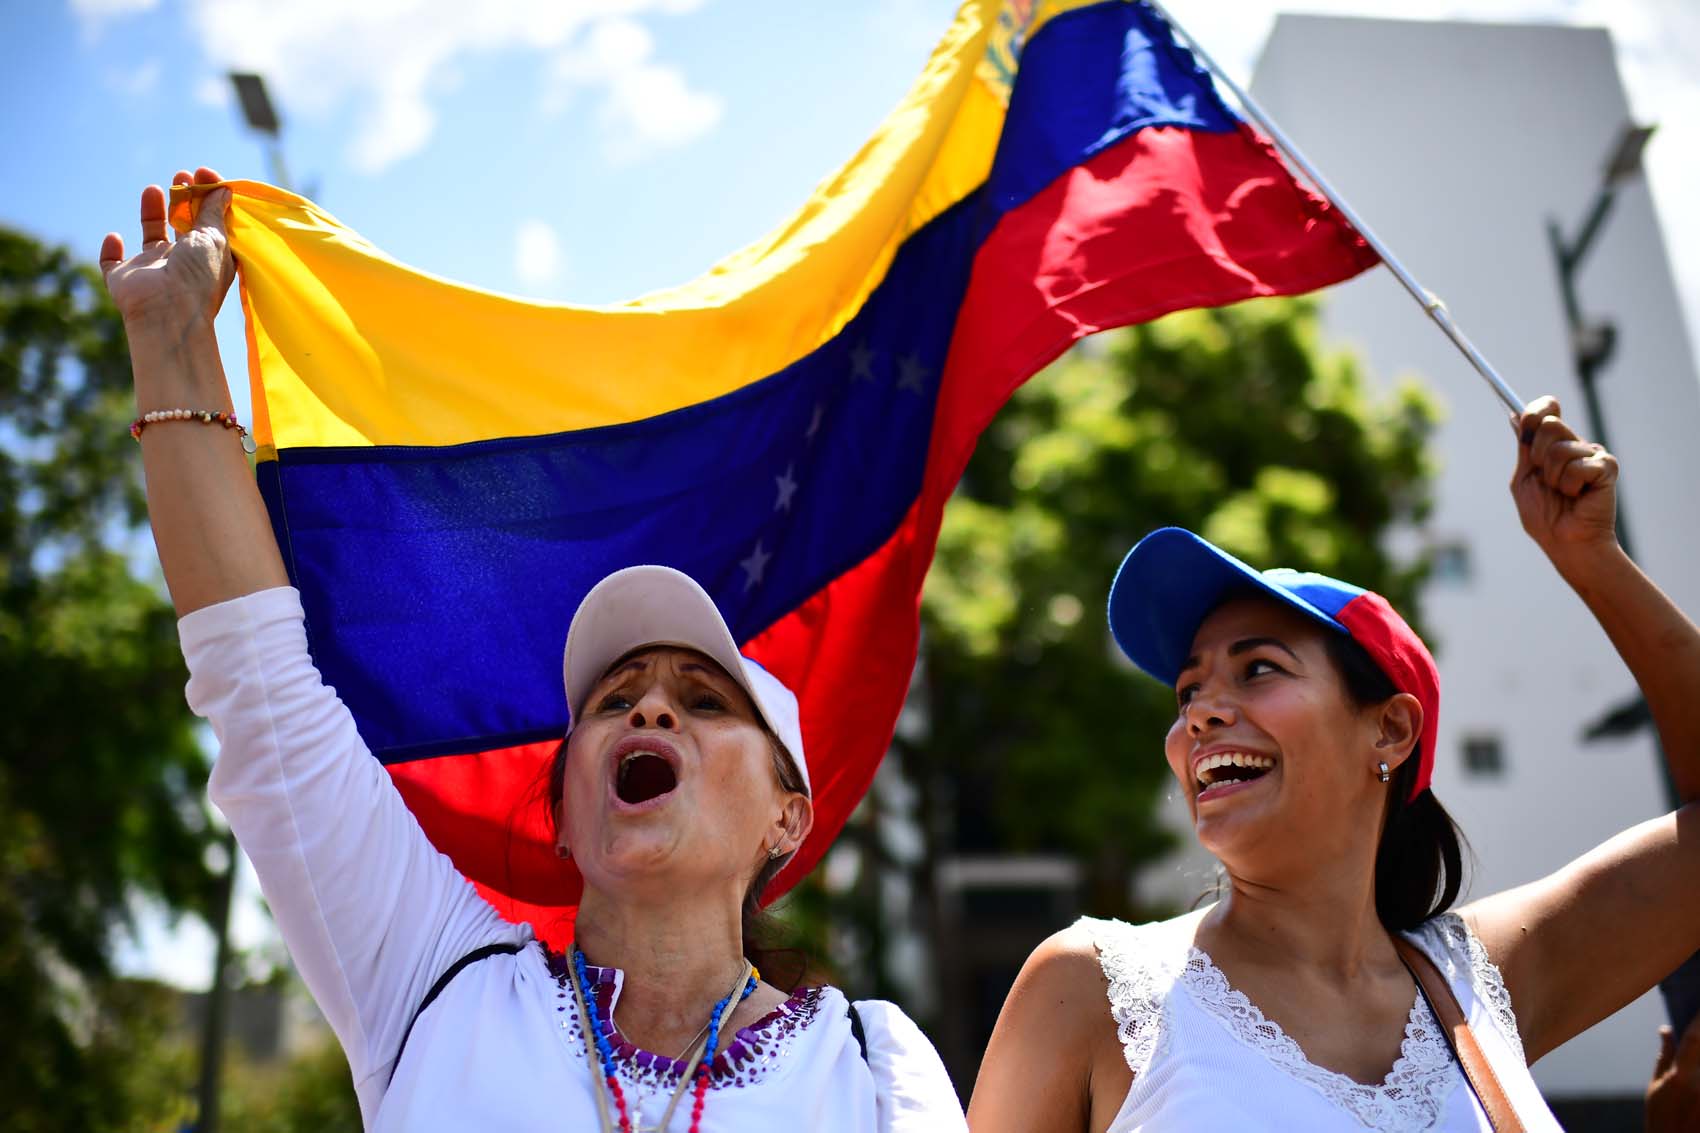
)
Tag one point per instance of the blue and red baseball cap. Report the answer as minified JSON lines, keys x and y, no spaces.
{"x":1172,"y":579}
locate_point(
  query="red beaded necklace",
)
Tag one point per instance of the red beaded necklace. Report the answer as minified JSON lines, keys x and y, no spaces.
{"x":601,"y":1049}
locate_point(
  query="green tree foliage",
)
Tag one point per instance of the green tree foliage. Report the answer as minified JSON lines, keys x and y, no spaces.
{"x":101,"y":778}
{"x":312,"y":1092}
{"x":1231,"y":422}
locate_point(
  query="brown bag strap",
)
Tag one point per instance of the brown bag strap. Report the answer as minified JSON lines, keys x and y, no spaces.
{"x":1444,"y":1004}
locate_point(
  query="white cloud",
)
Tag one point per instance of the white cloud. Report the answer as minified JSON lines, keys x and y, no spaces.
{"x":136,"y":81}
{"x":915,"y":24}
{"x":647,"y":105}
{"x":383,"y":63}
{"x":537,"y":253}
{"x":93,"y":15}
{"x":102,"y":9}
{"x":213,"y":90}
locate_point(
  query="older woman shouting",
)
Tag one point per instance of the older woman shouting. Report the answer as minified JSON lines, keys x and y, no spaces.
{"x":1331,"y":987}
{"x":679,"y":791}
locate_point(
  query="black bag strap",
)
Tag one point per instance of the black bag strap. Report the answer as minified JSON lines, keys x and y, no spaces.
{"x":856,"y":1028}
{"x":477,"y":954}
{"x":472,"y":957}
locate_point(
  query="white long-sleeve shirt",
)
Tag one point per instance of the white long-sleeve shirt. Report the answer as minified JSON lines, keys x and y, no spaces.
{"x":373,"y":914}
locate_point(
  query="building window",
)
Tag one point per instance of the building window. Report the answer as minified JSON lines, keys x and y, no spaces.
{"x":1450,"y":564}
{"x":1484,"y":757}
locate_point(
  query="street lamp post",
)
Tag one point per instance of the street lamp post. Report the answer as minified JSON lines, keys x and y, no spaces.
{"x":214,"y":1022}
{"x":1592,"y":342}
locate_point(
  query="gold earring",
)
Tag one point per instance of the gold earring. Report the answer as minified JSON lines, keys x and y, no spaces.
{"x":773,"y":852}
{"x":1382,"y":771}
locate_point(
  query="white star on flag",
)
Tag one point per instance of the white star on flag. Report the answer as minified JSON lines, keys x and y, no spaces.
{"x":911,"y":374}
{"x":754,"y":567}
{"x":862,"y":362}
{"x":787,"y":485}
{"x":814,"y":422}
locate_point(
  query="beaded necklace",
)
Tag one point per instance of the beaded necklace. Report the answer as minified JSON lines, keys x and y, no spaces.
{"x":697,"y":1072}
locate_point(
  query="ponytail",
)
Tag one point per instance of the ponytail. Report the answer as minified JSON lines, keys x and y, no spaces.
{"x":1419,"y":864}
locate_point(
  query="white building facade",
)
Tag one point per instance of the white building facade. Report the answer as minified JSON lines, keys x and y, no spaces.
{"x":1457,"y":143}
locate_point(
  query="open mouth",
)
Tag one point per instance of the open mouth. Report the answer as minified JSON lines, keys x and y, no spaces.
{"x":1231,"y":767}
{"x":642,"y":776}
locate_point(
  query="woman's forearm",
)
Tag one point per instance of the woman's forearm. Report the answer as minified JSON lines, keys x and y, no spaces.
{"x":1657,"y":641}
{"x":210,"y":526}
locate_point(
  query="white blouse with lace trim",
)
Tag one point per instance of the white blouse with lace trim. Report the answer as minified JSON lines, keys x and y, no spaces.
{"x":1204,"y":1057}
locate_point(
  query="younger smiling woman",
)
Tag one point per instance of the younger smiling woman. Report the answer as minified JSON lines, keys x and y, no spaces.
{"x":1303,"y":741}
{"x":680,"y":790}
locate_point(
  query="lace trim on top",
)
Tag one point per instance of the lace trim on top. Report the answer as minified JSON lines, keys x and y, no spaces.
{"x":1412,"y":1095}
{"x":1450,"y":938}
{"x":1138,"y":985}
{"x":749,"y":1057}
{"x":1142,"y":974}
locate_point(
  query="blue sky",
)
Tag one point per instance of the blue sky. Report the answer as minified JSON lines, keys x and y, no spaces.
{"x":578,"y":150}
{"x":686,"y":132}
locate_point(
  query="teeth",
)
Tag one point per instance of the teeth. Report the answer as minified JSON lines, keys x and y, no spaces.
{"x":1231,"y":759}
{"x":628,"y":759}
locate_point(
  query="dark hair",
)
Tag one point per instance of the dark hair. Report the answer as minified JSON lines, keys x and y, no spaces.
{"x":783,"y":967}
{"x":1419,"y":865}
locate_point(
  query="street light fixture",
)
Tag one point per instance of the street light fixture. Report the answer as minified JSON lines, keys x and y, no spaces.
{"x":1622,"y":166}
{"x":1592,"y":341}
{"x":261,"y":117}
{"x":257,"y":105}
{"x":1625,"y":161}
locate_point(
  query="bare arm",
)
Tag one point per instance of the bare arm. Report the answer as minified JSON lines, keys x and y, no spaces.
{"x":1054,"y":1063}
{"x":1661,"y":647}
{"x":1580,"y":944}
{"x":1566,"y":494}
{"x":215,"y":541}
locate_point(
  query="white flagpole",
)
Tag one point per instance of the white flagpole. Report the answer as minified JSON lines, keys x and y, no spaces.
{"x":1429,"y":300}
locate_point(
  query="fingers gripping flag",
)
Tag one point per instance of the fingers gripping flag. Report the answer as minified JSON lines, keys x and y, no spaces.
{"x":449,"y":471}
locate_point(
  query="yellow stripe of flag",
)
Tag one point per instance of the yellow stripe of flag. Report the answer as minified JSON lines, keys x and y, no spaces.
{"x":347,"y":347}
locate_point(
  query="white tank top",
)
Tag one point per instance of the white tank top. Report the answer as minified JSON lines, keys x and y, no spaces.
{"x":1204,"y":1058}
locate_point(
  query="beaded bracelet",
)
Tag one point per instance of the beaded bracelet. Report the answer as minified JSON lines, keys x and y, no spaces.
{"x":204,"y":416}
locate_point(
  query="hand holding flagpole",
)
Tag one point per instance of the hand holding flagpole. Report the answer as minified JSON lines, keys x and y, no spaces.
{"x":1565,"y":487}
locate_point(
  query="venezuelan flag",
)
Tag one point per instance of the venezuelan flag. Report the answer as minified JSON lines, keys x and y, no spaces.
{"x":449,"y":470}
